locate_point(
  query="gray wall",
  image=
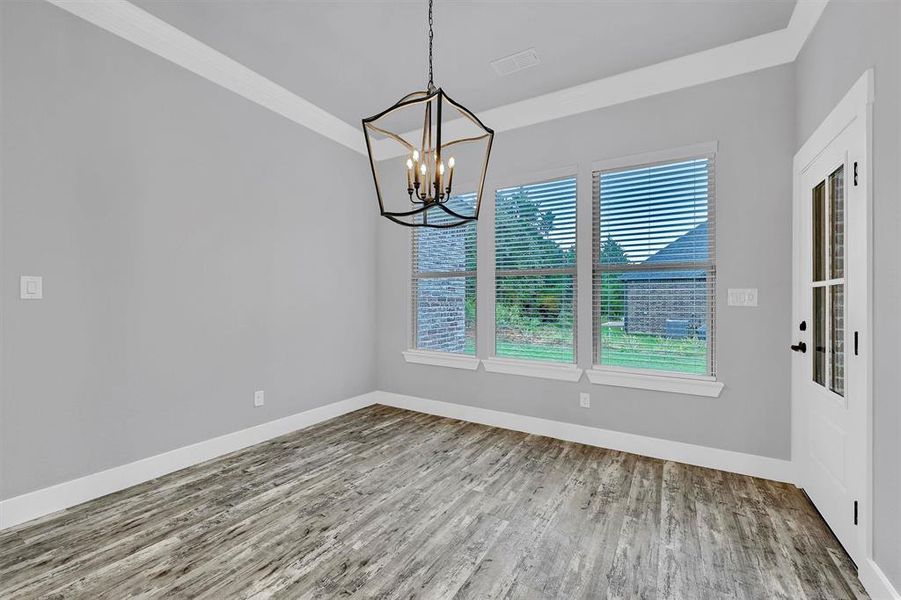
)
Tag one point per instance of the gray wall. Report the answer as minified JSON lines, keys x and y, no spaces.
{"x":195,"y":247}
{"x":850,"y":38}
{"x":752,"y":117}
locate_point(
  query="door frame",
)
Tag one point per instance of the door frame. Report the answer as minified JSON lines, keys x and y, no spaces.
{"x":856,"y":106}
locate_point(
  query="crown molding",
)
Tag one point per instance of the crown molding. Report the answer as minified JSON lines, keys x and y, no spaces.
{"x":151,"y":33}
{"x":804,"y":18}
{"x":738,"y":58}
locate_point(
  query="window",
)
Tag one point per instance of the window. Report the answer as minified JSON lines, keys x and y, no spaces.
{"x":444,"y":283}
{"x":655,"y":267}
{"x":535,"y":279}
{"x":829,"y":282}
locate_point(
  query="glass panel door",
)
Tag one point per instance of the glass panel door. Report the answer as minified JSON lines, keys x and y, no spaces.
{"x":828,"y":282}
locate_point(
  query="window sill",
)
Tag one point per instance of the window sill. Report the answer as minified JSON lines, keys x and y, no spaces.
{"x":528,"y":368}
{"x":441,"y":359}
{"x":696,"y":386}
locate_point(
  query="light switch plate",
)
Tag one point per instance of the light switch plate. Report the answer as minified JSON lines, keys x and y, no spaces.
{"x":31,"y":287}
{"x":259,"y":398}
{"x":743,"y":297}
{"x":584,"y":400}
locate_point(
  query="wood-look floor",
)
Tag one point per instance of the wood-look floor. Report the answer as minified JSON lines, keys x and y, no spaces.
{"x":387,"y":503}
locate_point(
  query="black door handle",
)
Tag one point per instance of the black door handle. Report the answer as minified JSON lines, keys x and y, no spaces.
{"x":800,"y":347}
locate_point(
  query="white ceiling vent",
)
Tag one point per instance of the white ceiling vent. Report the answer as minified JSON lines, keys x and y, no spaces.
{"x":516,"y":62}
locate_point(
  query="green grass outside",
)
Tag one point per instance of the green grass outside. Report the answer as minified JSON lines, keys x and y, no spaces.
{"x":508,"y":349}
{"x":619,"y":349}
{"x":685,"y":355}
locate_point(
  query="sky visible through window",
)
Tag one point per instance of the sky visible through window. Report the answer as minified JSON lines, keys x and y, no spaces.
{"x":644,"y":210}
{"x":650,"y":207}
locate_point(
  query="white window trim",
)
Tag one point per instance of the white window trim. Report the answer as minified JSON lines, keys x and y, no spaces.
{"x":533,"y":368}
{"x":512,"y":366}
{"x":442,"y":359}
{"x":524,"y":178}
{"x":663,"y":381}
{"x":657,"y":381}
{"x":646,"y":158}
{"x":487,"y":315}
{"x":597,"y":375}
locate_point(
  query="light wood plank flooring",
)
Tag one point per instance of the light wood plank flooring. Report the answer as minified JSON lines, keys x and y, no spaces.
{"x":387,"y":503}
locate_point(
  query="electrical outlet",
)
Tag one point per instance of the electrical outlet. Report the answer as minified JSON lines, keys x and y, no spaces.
{"x":258,"y":398}
{"x":742,"y":297}
{"x":31,"y":287}
{"x":584,"y":400}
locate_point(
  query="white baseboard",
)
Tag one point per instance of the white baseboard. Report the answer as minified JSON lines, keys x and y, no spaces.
{"x":39,"y":503}
{"x":43,"y":502}
{"x":702,"y":456}
{"x":871,"y":576}
{"x":876,"y":583}
{"x":46,"y":501}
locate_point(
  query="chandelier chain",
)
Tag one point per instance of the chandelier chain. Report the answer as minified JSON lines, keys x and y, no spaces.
{"x":431,"y":35}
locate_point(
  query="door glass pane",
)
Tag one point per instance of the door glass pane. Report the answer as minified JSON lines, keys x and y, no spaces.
{"x":819,"y":335}
{"x":837,"y":219}
{"x":837,"y":354}
{"x":819,"y":226}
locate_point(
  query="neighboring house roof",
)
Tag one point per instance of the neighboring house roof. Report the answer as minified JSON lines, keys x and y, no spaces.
{"x":692,"y":245}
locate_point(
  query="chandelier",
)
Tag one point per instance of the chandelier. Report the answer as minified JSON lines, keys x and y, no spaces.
{"x":426,"y":145}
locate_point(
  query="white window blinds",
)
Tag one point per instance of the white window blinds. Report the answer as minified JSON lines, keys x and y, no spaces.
{"x":655,"y":267}
{"x":443,"y":297}
{"x":535,"y":278}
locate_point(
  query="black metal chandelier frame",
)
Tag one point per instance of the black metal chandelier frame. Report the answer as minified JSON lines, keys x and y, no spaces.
{"x":428,"y":195}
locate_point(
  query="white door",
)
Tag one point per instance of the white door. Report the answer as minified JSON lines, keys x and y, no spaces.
{"x":829,"y":366}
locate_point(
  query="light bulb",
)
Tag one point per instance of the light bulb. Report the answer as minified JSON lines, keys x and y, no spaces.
{"x":409,"y":163}
{"x":450,"y":176}
{"x":441,"y":167}
{"x":416,"y":155}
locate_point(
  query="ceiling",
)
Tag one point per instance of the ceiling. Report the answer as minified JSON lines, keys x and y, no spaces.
{"x":353,"y":58}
